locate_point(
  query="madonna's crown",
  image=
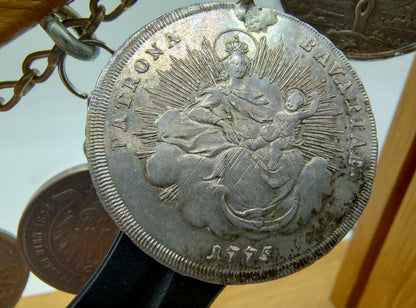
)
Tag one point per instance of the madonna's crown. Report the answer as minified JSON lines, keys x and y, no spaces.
{"x":236,"y":46}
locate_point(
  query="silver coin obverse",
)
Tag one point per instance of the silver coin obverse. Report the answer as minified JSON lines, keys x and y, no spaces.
{"x":228,"y":149}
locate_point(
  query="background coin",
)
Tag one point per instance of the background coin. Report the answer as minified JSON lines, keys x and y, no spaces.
{"x":172,"y":142}
{"x":362,"y":29}
{"x":13,"y":271}
{"x":64,"y":232}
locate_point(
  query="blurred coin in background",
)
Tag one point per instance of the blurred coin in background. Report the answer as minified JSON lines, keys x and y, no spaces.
{"x":362,"y":29}
{"x":64,"y":232}
{"x":13,"y":271}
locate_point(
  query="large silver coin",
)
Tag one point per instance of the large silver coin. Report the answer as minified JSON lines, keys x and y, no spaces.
{"x":363,"y":29}
{"x":232,"y":146}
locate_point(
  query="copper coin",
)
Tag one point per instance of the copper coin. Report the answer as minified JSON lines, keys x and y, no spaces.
{"x":13,"y":271}
{"x":362,"y":29}
{"x":64,"y":231}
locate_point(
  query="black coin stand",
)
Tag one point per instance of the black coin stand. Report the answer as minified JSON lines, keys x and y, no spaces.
{"x":128,"y":277}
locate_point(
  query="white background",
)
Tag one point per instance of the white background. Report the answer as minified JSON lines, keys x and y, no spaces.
{"x":44,"y":134}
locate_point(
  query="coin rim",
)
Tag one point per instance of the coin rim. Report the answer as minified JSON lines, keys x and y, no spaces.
{"x":113,"y":203}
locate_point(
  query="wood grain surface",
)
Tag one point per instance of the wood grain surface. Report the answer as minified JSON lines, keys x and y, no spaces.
{"x":16,"y":16}
{"x":392,"y":282}
{"x":394,"y":172}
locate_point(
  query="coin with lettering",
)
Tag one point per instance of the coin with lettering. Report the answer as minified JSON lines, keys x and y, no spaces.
{"x":363,"y":29}
{"x":64,"y":231}
{"x":233,"y":144}
{"x":13,"y":270}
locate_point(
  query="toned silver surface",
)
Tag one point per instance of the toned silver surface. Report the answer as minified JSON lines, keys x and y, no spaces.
{"x":13,"y":271}
{"x":229,"y":155}
{"x":64,"y":231}
{"x":362,"y":29}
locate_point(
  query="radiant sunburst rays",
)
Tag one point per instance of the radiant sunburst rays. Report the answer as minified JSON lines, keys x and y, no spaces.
{"x":178,"y":85}
{"x":319,"y":131}
{"x":177,"y":88}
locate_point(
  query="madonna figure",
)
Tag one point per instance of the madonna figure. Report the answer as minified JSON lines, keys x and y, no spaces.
{"x":207,"y":165}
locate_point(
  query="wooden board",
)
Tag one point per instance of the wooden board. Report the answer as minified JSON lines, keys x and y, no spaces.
{"x":392,"y":282}
{"x":56,"y":299}
{"x":17,"y":16}
{"x":394,"y":173}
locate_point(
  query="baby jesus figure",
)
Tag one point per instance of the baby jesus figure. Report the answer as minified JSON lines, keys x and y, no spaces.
{"x":280,"y":133}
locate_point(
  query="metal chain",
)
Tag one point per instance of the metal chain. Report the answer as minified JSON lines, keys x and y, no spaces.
{"x":62,"y":74}
{"x":67,"y":18}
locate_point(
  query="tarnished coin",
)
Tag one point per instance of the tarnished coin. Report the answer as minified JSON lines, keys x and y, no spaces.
{"x":232,"y":144}
{"x":13,"y":271}
{"x":64,"y":231}
{"x":362,"y":29}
